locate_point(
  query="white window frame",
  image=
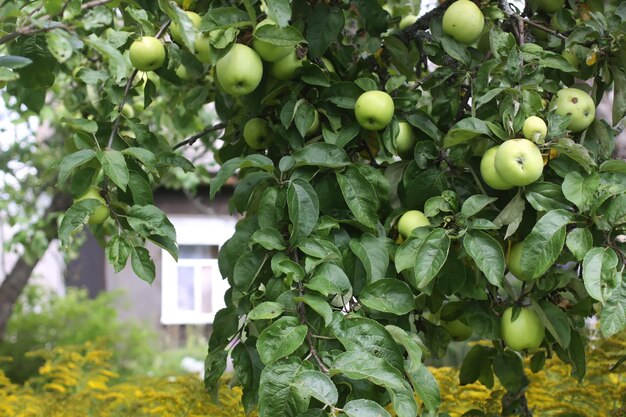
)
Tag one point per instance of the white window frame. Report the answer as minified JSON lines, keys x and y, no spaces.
{"x":194,"y":230}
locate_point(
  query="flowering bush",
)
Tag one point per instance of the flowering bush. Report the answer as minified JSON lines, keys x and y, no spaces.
{"x":78,"y":381}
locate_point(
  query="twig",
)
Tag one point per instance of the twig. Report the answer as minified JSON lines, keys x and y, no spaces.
{"x":309,"y":338}
{"x":539,"y":26}
{"x":192,"y":139}
{"x":371,"y":154}
{"x":95,"y":3}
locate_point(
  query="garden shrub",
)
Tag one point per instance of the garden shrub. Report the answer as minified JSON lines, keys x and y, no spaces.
{"x":43,"y":319}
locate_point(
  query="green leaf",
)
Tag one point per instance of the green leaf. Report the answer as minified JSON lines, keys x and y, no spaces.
{"x":410,"y":341}
{"x":389,"y":296}
{"x":617,"y":166}
{"x":487,"y":253}
{"x":373,"y":254}
{"x":280,"y":339}
{"x":317,"y":385}
{"x":319,"y":305}
{"x":423,"y":122}
{"x":430,"y":257}
{"x":319,"y":248}
{"x":581,"y":190}
{"x":324,"y":25}
{"x":357,"y":192}
{"x":615,"y":213}
{"x":148,"y":220}
{"x":488,"y":96}
{"x":619,"y":83}
{"x":114,"y":167}
{"x":60,"y":45}
{"x":509,"y":368}
{"x":81,"y":125}
{"x":362,"y":365}
{"x":142,"y":264}
{"x":465,"y":130}
{"x":14,"y":61}
{"x":118,"y":65}
{"x":247,"y":269}
{"x":76,"y":216}
{"x":279,"y":11}
{"x":270,"y":239}
{"x":613,"y":316}
{"x":403,"y":401}
{"x":329,"y":279}
{"x":546,"y":196}
{"x":303,"y":207}
{"x":599,"y":274}
{"x":364,"y":408}
{"x":407,"y":252}
{"x":511,"y":215}
{"x":226,"y":171}
{"x":146,"y":157}
{"x":543,"y":245}
{"x":575,"y":151}
{"x":456,"y":50}
{"x":267,"y":310}
{"x":555,"y":320}
{"x":474,"y":204}
{"x":279,"y":36}
{"x":186,"y":28}
{"x":248,"y":369}
{"x":579,"y":241}
{"x":321,"y":154}
{"x":278,"y":393}
{"x":117,"y":252}
{"x":477,"y":359}
{"x":72,"y":161}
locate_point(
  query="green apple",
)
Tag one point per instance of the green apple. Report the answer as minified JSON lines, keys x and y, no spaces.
{"x":458,"y":330}
{"x":128,"y":111}
{"x":374,"y":110}
{"x":182,"y":73}
{"x":240,"y":71}
{"x":489,"y":173}
{"x":101,"y":213}
{"x":550,"y":6}
{"x":202,"y":48}
{"x":315,"y":127}
{"x":405,"y":141}
{"x":175,"y":30}
{"x":267,"y":51}
{"x":147,"y":53}
{"x":514,"y":262}
{"x":407,"y":21}
{"x":535,"y":129}
{"x":570,"y":57}
{"x":525,"y":332}
{"x":519,"y":162}
{"x":286,"y":68}
{"x":577,"y":104}
{"x":257,"y":133}
{"x":411,"y":220}
{"x":464,"y":21}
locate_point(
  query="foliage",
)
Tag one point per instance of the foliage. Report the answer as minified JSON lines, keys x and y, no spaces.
{"x":80,"y":380}
{"x":328,"y":312}
{"x":45,"y":320}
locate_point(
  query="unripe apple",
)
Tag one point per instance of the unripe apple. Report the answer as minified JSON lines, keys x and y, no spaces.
{"x":286,"y":68}
{"x":101,"y":213}
{"x":240,"y":71}
{"x":315,"y":127}
{"x":515,"y":264}
{"x":411,"y":220}
{"x":525,"y":332}
{"x":405,"y":141}
{"x":458,"y":330}
{"x":147,"y":53}
{"x":267,"y":51}
{"x":374,"y":110}
{"x":535,"y":129}
{"x":570,"y":57}
{"x":329,"y":65}
{"x":128,"y":111}
{"x":257,"y":133}
{"x":577,"y":104}
{"x":202,"y":48}
{"x":519,"y":162}
{"x":175,"y":30}
{"x":489,"y":173}
{"x":464,"y":21}
{"x":182,"y":73}
{"x":407,"y":21}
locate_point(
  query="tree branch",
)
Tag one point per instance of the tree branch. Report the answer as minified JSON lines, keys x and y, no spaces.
{"x":192,"y":139}
{"x":16,"y":280}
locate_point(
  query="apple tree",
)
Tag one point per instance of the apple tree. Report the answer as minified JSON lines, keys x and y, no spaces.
{"x":399,"y":188}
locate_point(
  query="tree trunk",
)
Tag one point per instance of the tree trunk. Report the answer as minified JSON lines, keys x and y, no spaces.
{"x":16,"y":280}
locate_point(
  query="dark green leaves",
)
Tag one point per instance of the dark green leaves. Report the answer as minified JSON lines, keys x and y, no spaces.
{"x":389,"y":296}
{"x":487,"y":253}
{"x":278,"y":393}
{"x":114,"y":167}
{"x":431,"y":255}
{"x":465,"y":130}
{"x":544,"y":243}
{"x":142,"y":264}
{"x":303,"y":207}
{"x":76,"y":216}
{"x":580,"y":190}
{"x":72,"y":161}
{"x":357,"y":192}
{"x":364,"y":408}
{"x":599,"y":274}
{"x":362,"y":365}
{"x":280,"y":339}
{"x":324,"y":25}
{"x":613,"y":316}
{"x":322,"y":155}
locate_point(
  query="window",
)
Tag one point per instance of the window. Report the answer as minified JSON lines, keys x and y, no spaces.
{"x":192,"y":288}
